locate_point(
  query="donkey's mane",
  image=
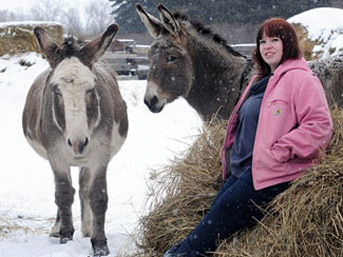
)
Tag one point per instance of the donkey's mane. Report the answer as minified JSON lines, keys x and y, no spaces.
{"x":70,"y":47}
{"x":206,"y":31}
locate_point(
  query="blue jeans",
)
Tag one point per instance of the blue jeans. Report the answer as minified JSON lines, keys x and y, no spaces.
{"x":234,"y":207}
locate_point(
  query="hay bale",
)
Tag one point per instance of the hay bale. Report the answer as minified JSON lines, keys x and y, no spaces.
{"x":317,"y":47}
{"x":306,"y":44}
{"x":188,"y":187}
{"x":18,"y":37}
{"x":305,"y":220}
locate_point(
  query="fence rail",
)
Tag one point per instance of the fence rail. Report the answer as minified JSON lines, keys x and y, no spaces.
{"x":131,"y":61}
{"x":245,"y":49}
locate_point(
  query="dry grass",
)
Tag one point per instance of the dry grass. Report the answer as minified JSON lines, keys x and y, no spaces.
{"x":306,"y":220}
{"x":306,"y":44}
{"x":182,"y":192}
{"x":22,"y":225}
{"x":19,"y":38}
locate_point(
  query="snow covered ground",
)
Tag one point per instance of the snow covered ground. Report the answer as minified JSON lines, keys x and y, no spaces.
{"x":27,"y":207}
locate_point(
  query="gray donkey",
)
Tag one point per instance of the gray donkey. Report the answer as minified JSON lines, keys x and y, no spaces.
{"x":187,"y":59}
{"x":75,"y":116}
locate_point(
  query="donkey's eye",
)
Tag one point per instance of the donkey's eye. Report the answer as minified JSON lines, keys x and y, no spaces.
{"x":90,"y":91}
{"x":90,"y":96}
{"x":57,"y":94}
{"x":171,"y":59}
{"x":55,"y":89}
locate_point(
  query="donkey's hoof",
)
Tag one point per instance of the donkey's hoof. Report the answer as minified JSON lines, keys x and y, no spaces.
{"x":101,"y":251}
{"x":55,"y":231}
{"x":64,"y":240}
{"x":54,"y":234}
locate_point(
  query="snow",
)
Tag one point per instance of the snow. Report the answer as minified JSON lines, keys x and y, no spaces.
{"x":315,"y":21}
{"x":324,"y":25}
{"x":32,"y":23}
{"x":27,"y":207}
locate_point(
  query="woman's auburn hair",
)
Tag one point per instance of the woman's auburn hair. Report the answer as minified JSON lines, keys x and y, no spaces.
{"x":276,"y":27}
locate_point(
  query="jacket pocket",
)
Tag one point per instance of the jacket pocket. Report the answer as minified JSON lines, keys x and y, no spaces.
{"x":279,"y":108}
{"x":281,"y":123}
{"x":280,"y":154}
{"x":278,"y":121}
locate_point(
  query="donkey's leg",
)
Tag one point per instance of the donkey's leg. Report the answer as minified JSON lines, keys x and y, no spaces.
{"x":98,"y":203}
{"x":86,"y":212}
{"x":64,"y":198}
{"x":55,"y":231}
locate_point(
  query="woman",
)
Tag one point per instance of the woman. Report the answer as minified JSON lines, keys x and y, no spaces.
{"x":278,"y":129}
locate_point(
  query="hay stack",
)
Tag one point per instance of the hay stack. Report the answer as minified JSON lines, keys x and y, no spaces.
{"x":188,"y":185}
{"x":18,"y":37}
{"x":306,"y":44}
{"x":316,"y":48}
{"x":306,"y":220}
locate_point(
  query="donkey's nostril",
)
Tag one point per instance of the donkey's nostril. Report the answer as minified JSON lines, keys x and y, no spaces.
{"x":146,"y":102}
{"x":154,"y":100}
{"x":82,"y":145}
{"x":78,"y":146}
{"x":154,"y":105}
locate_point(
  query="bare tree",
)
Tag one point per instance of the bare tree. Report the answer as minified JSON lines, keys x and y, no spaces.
{"x":6,"y":15}
{"x":72,"y":23}
{"x":83,"y":23}
{"x":13,"y":15}
{"x":48,"y":10}
{"x":98,"y":16}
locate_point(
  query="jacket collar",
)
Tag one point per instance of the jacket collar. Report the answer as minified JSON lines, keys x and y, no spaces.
{"x":291,"y":65}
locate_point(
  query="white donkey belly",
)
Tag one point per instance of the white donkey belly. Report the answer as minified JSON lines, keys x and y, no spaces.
{"x":117,"y":140}
{"x":38,"y":147}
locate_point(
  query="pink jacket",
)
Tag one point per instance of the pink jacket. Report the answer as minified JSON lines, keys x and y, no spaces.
{"x":294,"y":125}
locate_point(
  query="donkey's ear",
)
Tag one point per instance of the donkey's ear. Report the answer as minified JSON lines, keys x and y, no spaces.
{"x":93,"y":50}
{"x":47,"y":45}
{"x":153,"y":25}
{"x":168,"y":20}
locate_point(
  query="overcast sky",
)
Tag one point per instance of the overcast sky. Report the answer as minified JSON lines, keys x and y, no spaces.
{"x":15,"y":4}
{"x":27,"y":4}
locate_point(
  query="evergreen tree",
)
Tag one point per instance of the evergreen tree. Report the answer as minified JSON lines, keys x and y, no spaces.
{"x":214,"y":11}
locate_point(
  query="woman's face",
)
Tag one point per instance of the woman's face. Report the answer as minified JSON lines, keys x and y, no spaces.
{"x":271,"y":49}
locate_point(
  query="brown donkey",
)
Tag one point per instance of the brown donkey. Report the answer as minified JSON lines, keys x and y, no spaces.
{"x":75,"y":116}
{"x":187,"y":59}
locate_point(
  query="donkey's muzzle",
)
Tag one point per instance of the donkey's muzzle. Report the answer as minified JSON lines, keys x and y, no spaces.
{"x":154,"y":105}
{"x":78,"y":146}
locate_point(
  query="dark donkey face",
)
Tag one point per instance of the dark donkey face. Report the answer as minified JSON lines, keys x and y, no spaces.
{"x":171,"y":71}
{"x":73,"y":87}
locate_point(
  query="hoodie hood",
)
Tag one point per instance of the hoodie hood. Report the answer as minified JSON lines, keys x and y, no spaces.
{"x":291,"y":65}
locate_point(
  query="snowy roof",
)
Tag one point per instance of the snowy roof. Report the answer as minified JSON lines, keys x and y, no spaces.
{"x":34,"y":23}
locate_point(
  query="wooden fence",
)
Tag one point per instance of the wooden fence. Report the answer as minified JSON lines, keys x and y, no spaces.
{"x":128,"y":59}
{"x":131,"y":62}
{"x":245,"y":49}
